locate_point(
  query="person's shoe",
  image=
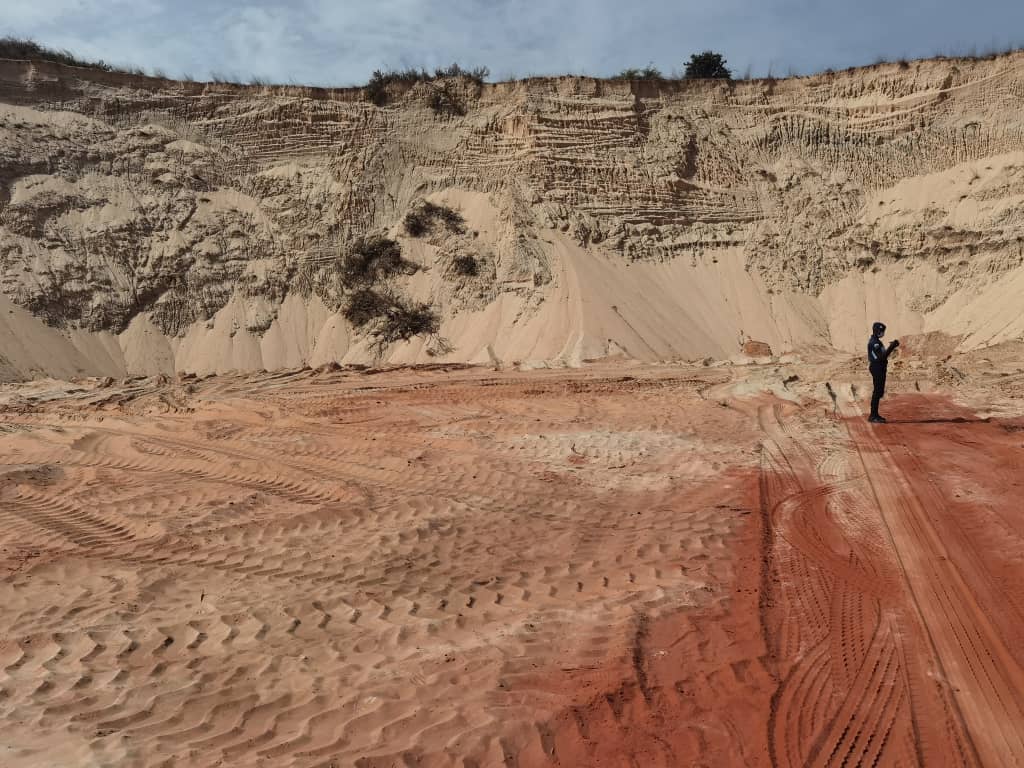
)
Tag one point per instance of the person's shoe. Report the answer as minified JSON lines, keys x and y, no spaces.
{"x":876,"y":419}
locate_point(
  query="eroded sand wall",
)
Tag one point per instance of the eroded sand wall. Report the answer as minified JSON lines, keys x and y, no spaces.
{"x":150,"y":226}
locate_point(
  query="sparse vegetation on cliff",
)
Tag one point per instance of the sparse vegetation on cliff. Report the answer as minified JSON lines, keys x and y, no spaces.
{"x":372,"y":304}
{"x":24,"y":48}
{"x":705,"y":65}
{"x":445,"y":100}
{"x":377,"y":90}
{"x":650,"y":72}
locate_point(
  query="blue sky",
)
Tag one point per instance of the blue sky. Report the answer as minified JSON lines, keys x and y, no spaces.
{"x":340,"y":42}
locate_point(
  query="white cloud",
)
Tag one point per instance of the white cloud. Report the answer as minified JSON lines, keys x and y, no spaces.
{"x":332,"y":42}
{"x":260,"y":41}
{"x":23,"y":16}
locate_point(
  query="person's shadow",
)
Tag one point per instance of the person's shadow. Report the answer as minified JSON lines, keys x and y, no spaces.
{"x":955,"y":420}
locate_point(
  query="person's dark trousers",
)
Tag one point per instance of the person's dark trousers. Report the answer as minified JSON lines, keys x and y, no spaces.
{"x":878,"y":377}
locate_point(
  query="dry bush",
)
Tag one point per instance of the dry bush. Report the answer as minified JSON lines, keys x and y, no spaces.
{"x":371,"y":304}
{"x":389,"y":318}
{"x":363,"y":306}
{"x":445,"y":100}
{"x":465,"y":266}
{"x":373,"y":259}
{"x":421,"y":219}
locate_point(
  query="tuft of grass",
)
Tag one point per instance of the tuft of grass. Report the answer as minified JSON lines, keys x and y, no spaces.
{"x":421,"y":219}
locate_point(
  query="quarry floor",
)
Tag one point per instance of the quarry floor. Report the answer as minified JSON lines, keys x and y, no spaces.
{"x":443,"y":566}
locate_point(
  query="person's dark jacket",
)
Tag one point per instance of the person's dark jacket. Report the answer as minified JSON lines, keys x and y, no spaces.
{"x":878,"y":354}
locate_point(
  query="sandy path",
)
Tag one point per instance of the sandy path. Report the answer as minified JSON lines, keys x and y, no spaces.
{"x":951,"y":585}
{"x":886,"y":631}
{"x":607,"y":567}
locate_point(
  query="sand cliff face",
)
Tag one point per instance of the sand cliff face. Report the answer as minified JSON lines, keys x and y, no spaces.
{"x":148,"y":226}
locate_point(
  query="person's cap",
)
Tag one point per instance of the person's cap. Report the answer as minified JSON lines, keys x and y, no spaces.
{"x":877,"y":328}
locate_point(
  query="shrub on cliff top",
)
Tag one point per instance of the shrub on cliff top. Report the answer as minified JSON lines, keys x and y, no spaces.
{"x":466,"y":266}
{"x":707,"y":65}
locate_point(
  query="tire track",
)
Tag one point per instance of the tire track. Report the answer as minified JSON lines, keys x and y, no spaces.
{"x":399,"y":591}
{"x":841,"y":627}
{"x":982,"y":677}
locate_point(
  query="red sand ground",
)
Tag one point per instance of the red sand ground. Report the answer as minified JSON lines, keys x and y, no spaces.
{"x":434,"y":568}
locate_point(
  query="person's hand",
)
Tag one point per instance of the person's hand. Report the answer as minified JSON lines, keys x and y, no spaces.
{"x":895,"y":343}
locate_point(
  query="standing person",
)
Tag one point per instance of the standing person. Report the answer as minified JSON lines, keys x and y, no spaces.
{"x":878,"y":363}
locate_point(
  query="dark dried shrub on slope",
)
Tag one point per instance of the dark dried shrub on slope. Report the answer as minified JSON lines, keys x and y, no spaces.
{"x":445,"y":100}
{"x":363,"y":306}
{"x":374,"y":259}
{"x":389,"y":318}
{"x":421,"y":219}
{"x":371,"y":304}
{"x":466,"y":266}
